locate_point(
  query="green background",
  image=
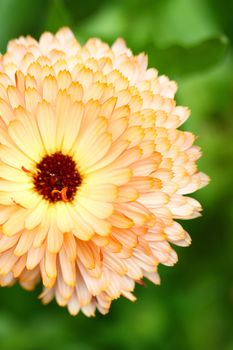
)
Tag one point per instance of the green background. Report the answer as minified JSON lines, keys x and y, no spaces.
{"x":191,"y":41}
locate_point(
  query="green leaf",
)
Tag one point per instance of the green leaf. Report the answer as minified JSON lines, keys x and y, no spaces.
{"x":108,"y":24}
{"x":177,"y":61}
{"x":183,"y":22}
{"x":58,"y":16}
{"x":20,"y":18}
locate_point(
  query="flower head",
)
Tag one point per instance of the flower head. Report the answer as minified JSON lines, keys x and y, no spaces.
{"x":93,"y":170}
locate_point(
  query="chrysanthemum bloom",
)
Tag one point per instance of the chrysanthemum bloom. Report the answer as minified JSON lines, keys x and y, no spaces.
{"x":93,"y":170}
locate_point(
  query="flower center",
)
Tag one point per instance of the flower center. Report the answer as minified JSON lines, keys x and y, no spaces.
{"x":57,"y":178}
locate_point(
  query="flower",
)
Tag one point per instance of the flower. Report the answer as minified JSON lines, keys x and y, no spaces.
{"x":93,"y":170}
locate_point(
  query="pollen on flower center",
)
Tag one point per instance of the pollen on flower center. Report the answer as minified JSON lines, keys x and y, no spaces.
{"x":57,"y":178}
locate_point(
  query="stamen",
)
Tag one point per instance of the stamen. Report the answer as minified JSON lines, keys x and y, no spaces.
{"x":64,"y":194}
{"x":16,"y":203}
{"x":25,"y":170}
{"x":53,"y":179}
{"x":55,"y":191}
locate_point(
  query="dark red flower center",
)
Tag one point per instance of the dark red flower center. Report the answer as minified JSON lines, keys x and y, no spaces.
{"x":57,"y":178}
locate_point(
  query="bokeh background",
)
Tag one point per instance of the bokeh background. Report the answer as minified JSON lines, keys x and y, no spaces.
{"x":191,"y":42}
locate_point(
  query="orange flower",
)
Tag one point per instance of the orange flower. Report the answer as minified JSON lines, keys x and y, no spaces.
{"x":93,"y":170}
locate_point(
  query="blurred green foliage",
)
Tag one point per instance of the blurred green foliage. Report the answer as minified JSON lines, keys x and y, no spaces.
{"x":191,"y":41}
